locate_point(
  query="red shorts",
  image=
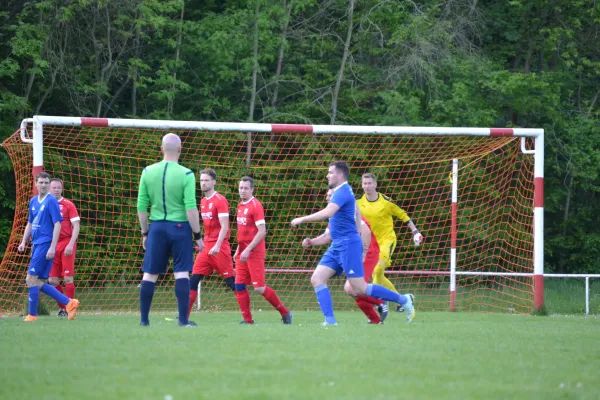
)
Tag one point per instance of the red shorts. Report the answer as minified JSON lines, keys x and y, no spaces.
{"x":251,"y":272}
{"x":369,"y":264}
{"x":221,"y":262}
{"x":63,"y":265}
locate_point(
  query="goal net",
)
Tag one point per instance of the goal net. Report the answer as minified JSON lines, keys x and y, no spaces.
{"x":100,"y":161}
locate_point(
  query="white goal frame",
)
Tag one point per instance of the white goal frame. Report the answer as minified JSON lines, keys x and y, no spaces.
{"x":537,"y":134}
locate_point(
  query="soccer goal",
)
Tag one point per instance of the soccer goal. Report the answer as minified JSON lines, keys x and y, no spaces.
{"x":476,"y":194}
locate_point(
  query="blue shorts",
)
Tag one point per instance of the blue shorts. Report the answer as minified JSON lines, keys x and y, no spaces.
{"x":346,"y":256}
{"x":39,"y":266}
{"x":168,"y":239}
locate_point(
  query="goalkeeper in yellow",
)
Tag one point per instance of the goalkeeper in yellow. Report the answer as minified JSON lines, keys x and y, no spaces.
{"x":379,"y":210}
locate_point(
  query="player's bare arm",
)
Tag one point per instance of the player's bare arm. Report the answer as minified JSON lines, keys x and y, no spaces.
{"x":143,"y":202}
{"x":26,"y":235}
{"x":357,"y":217}
{"x":325,"y":213}
{"x":365,"y":235}
{"x":74,"y":236}
{"x":224,"y":221}
{"x":143,"y":218}
{"x":260,"y":235}
{"x":324,"y":238}
{"x":55,"y":235}
{"x":194,"y":219}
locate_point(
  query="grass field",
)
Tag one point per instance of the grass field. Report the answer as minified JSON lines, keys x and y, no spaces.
{"x":440,"y":356}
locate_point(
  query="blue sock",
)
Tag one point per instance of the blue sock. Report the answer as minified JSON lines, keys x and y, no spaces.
{"x":34,"y":297}
{"x":146,"y":294}
{"x":383,"y":293}
{"x":325,"y":302}
{"x":182,"y":292}
{"x":55,"y":294}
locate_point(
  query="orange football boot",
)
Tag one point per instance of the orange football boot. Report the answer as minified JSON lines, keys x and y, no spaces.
{"x":72,"y":308}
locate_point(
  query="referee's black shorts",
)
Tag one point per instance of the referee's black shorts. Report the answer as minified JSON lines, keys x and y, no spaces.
{"x":168,"y":239}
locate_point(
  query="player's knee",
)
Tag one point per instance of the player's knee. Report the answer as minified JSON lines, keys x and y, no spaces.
{"x":240,"y":287}
{"x":68,"y":280}
{"x":195,"y":281}
{"x":359,"y":287}
{"x":31,"y":280}
{"x":230,"y":282}
{"x":317,"y":280}
{"x":314,"y":281}
{"x":348,"y":289}
{"x":260,"y":289}
{"x":53,"y":280}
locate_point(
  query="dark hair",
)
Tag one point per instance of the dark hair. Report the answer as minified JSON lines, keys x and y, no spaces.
{"x":57,"y":180}
{"x":342,"y":167}
{"x":248,"y":179}
{"x":42,"y":175}
{"x":209,"y":171}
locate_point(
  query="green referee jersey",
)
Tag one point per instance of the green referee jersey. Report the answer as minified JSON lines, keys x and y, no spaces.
{"x":169,"y":189}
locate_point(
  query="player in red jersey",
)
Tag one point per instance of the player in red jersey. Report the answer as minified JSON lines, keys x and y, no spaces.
{"x":370,"y":260}
{"x":216,"y":256}
{"x":64,"y":260}
{"x":250,"y":254}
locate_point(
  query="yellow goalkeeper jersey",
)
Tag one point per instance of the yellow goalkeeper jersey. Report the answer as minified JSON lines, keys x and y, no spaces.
{"x":380,"y":215}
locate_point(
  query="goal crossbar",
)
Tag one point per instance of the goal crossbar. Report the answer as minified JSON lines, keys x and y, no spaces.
{"x":279,"y":128}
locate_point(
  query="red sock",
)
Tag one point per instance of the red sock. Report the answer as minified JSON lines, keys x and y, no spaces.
{"x":272,"y":298}
{"x":70,"y":290}
{"x":369,"y":311}
{"x":193,"y":298}
{"x":243,"y":299}
{"x":370,"y":300}
{"x":60,"y":289}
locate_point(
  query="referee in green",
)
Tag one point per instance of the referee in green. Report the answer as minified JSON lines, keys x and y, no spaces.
{"x":170,"y":191}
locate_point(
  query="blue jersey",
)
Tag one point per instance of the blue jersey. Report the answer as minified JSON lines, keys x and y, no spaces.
{"x":42,"y":216}
{"x":342,"y":226}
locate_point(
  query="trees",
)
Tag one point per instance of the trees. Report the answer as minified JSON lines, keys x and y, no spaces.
{"x":427,"y":62}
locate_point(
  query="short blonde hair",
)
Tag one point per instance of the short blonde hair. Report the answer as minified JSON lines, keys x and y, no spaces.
{"x":369,"y":175}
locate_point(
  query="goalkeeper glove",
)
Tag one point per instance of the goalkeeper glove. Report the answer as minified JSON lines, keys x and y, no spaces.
{"x":417,"y":238}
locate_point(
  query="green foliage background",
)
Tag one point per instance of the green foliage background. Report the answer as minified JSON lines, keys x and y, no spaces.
{"x":519,"y":63}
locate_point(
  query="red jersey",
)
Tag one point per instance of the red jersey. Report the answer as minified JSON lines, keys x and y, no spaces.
{"x":69,"y":213}
{"x":250,"y":215}
{"x":211,"y":209}
{"x":373,"y":247}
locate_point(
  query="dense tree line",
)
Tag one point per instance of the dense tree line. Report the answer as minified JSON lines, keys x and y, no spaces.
{"x":519,"y":63}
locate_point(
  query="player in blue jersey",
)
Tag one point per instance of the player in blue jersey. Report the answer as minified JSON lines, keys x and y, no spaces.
{"x":169,"y":189}
{"x":345,"y":252}
{"x":43,"y":226}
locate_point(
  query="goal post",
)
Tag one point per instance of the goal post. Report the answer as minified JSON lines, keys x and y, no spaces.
{"x":476,"y":194}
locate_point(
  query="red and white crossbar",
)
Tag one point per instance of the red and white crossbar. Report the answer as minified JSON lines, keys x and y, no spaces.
{"x":277,"y":128}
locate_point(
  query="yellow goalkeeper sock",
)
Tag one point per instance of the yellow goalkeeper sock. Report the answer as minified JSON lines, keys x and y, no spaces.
{"x":380,"y":279}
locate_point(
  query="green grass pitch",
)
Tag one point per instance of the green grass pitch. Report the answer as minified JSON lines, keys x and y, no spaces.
{"x":439,"y":356}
